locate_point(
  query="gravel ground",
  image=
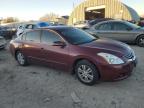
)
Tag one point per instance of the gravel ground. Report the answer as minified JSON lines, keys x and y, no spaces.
{"x":41,"y":87}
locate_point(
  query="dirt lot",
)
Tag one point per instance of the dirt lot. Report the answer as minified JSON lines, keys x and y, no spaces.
{"x":41,"y":87}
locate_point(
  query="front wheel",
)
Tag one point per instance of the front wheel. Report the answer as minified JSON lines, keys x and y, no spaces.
{"x":140,"y":41}
{"x":21,"y":59}
{"x":86,"y":72}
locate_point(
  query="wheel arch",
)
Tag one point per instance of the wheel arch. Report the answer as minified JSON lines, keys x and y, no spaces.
{"x":80,"y":59}
{"x":16,"y":53}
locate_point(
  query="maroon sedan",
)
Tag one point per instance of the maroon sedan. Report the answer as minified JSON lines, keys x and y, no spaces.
{"x":76,"y":51}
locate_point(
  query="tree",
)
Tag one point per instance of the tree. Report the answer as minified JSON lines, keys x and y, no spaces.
{"x":10,"y":20}
{"x":49,"y":17}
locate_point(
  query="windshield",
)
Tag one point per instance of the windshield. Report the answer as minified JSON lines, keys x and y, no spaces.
{"x":133,"y":25}
{"x":76,"y":36}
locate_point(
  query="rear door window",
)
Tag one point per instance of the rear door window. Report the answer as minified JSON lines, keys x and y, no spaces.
{"x":33,"y":36}
{"x":104,"y":26}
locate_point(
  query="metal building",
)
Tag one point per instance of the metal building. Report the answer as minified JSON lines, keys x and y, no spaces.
{"x":92,"y":9}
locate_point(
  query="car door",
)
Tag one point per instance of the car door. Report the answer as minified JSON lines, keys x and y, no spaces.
{"x":122,"y":32}
{"x":31,"y":45}
{"x":103,"y":30}
{"x":56,"y":55}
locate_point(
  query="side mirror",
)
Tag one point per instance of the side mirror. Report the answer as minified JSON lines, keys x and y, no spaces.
{"x":59,"y":43}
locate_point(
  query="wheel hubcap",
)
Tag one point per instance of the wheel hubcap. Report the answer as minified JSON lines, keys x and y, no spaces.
{"x":142,"y":41}
{"x":85,"y":73}
{"x":20,"y":58}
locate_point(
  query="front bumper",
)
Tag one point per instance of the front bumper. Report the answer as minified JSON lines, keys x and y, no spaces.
{"x":117,"y":72}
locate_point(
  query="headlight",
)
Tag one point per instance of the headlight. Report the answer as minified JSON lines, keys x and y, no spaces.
{"x":111,"y":59}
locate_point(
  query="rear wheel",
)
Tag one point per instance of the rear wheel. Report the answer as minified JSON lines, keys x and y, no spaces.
{"x":86,"y":72}
{"x":22,"y":60}
{"x":140,"y":41}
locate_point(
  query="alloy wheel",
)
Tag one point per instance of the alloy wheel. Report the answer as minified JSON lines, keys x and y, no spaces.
{"x":85,"y":73}
{"x":20,"y":58}
{"x":141,"y":41}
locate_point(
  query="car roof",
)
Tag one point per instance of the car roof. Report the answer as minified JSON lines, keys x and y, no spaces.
{"x":121,"y":21}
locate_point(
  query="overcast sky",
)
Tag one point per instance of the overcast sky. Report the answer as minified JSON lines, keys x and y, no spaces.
{"x":33,"y":9}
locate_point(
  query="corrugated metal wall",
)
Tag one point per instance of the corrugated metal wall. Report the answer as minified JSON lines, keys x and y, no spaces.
{"x":113,"y":8}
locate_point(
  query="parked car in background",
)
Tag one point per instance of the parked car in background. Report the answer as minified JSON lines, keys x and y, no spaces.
{"x":95,"y":21}
{"x":7,"y":32}
{"x":82,"y":24}
{"x":76,"y":51}
{"x":119,"y":30}
{"x":89,"y":23}
{"x":26,"y":27}
{"x":2,"y":42}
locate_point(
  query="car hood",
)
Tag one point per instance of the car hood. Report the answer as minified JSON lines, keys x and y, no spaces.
{"x":111,"y":45}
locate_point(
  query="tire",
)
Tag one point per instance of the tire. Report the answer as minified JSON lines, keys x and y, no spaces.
{"x":86,"y":72}
{"x":21,"y":59}
{"x":140,"y":41}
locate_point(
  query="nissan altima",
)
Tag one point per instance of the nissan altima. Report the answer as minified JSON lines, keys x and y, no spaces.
{"x":70,"y":49}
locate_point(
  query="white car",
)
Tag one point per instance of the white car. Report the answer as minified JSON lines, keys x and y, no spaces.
{"x":81,"y":24}
{"x":2,"y":43}
{"x":29,"y":26}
